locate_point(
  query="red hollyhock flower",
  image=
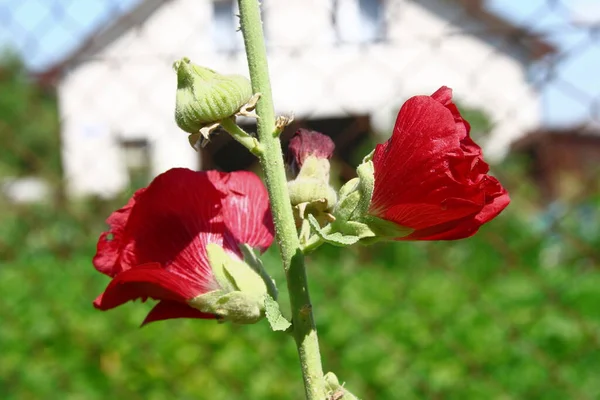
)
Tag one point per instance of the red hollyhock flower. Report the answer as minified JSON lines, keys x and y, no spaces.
{"x":156,"y":245}
{"x":430,"y":176}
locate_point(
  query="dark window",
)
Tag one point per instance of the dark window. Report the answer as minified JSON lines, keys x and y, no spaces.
{"x":136,"y":153}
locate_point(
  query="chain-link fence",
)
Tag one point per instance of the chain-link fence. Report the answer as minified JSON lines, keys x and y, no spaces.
{"x":86,"y":106}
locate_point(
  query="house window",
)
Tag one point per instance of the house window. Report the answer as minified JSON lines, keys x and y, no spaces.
{"x":360,"y":21}
{"x":225,"y":25}
{"x":136,"y":154}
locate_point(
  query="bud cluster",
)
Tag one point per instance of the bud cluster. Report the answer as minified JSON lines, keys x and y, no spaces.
{"x":310,"y":191}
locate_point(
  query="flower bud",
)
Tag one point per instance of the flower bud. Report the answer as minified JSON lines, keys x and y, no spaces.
{"x":312,"y":184}
{"x":205,"y":96}
{"x":335,"y":390}
{"x":310,"y":151}
{"x":307,"y":143}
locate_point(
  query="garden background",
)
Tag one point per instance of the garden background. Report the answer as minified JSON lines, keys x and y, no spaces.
{"x":511,"y":313}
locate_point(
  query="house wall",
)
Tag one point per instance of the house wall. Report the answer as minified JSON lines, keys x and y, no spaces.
{"x":127,"y":89}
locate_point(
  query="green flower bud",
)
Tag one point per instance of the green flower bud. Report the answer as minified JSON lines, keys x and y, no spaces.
{"x":205,"y":96}
{"x":312,"y":184}
{"x":335,"y":390}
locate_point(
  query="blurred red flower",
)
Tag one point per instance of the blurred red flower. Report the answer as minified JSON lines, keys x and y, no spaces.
{"x":156,"y":245}
{"x":430,"y":176}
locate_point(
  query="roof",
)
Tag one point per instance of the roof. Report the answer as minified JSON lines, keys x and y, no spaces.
{"x":583,"y":133}
{"x":101,"y":38}
{"x":533,"y":43}
{"x":537,"y":46}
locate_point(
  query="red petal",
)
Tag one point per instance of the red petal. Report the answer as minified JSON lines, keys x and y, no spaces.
{"x":246,"y":209}
{"x":170,"y":223}
{"x":413,"y":166}
{"x":109,"y":245}
{"x":147,"y":281}
{"x":464,"y":227}
{"x":430,"y":176}
{"x":444,"y":96}
{"x":172,"y":309}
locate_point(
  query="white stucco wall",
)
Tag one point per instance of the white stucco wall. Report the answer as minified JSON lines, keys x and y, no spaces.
{"x":127,"y":90}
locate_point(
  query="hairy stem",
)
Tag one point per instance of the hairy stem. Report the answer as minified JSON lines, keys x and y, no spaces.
{"x":271,"y":159}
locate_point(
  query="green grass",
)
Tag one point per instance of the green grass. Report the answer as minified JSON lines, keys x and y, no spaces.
{"x":512,"y":313}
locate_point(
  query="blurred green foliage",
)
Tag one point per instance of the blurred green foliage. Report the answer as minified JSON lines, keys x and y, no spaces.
{"x":29,"y":126}
{"x":512,"y":313}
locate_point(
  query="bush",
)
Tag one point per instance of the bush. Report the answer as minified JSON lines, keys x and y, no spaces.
{"x":510,"y":313}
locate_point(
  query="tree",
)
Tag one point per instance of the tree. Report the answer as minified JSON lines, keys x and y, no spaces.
{"x":29,"y":123}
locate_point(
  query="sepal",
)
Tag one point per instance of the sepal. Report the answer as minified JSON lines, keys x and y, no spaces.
{"x":310,"y":193}
{"x":242,"y":290}
{"x":238,"y":307}
{"x":233,"y":274}
{"x":349,"y":196}
{"x":366,"y":176}
{"x":253,"y":261}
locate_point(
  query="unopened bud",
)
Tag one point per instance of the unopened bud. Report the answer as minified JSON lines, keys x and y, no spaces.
{"x":310,"y":151}
{"x":312,"y":184}
{"x":205,"y":96}
{"x":306,"y":143}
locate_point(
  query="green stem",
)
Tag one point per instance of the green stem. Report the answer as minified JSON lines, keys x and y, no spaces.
{"x":305,"y":333}
{"x":243,"y":137}
{"x":312,"y":244}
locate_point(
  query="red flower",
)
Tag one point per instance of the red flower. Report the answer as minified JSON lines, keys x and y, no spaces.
{"x":156,"y":245}
{"x":430,"y":176}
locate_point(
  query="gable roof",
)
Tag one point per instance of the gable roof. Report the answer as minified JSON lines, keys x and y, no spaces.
{"x":495,"y":24}
{"x":532,"y":43}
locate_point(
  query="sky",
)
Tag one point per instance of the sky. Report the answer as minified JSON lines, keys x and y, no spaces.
{"x":45,"y":31}
{"x":573,"y":94}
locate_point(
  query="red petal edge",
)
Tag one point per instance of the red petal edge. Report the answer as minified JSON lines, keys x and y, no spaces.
{"x":146,"y":281}
{"x":171,"y":310}
{"x":108,"y":249}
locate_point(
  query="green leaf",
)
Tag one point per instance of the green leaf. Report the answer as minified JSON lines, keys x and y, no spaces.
{"x":274,"y":316}
{"x":336,"y":238}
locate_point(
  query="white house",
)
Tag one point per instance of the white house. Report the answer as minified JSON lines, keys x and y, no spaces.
{"x":327,"y":58}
